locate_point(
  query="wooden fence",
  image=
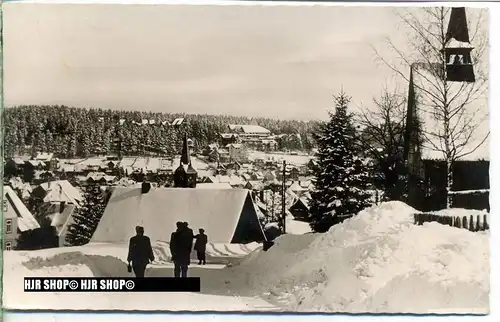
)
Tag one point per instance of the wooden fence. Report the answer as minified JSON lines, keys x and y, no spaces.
{"x":465,"y":222}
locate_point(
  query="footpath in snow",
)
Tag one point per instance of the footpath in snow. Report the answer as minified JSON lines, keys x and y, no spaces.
{"x":376,"y":262}
{"x":105,"y":261}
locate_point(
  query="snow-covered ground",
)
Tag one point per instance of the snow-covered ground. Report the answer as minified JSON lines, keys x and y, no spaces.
{"x":378,"y":261}
{"x":105,"y":260}
{"x":289,"y":158}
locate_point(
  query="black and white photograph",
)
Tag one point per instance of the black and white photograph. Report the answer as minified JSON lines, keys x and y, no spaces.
{"x":295,"y":158}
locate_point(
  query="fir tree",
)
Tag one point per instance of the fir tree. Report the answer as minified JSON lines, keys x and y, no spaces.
{"x":86,"y":217}
{"x":341,"y":177}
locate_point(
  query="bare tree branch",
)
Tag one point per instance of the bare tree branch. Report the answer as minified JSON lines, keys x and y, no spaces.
{"x":449,"y":119}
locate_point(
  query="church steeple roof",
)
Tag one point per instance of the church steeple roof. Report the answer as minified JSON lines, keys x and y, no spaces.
{"x":457,"y":26}
{"x":185,"y":157}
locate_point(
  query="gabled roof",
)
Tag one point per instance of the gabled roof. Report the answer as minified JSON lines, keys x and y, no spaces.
{"x":218,"y":211}
{"x":25,"y":220}
{"x":296,"y":187}
{"x":61,"y":190}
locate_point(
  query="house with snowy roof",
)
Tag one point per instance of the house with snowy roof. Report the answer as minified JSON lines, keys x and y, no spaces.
{"x":55,"y":196}
{"x":254,"y":136}
{"x":300,"y":209}
{"x":254,"y":185}
{"x":227,"y":215}
{"x":16,"y":218}
{"x":229,"y":138}
{"x":24,"y":189}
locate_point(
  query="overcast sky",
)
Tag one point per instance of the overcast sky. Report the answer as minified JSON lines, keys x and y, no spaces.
{"x":277,"y":61}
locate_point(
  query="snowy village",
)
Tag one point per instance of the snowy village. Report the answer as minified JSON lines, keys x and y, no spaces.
{"x":379,"y":205}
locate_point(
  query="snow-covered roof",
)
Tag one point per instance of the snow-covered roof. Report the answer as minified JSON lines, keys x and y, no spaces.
{"x":218,"y":185}
{"x":453,"y":43}
{"x":61,"y":190}
{"x":218,"y":211}
{"x":222,"y":179}
{"x":236,"y":181}
{"x":178,"y":121}
{"x":17,"y":209}
{"x":228,"y":135}
{"x":36,"y":163}
{"x":44,"y":156}
{"x":234,"y":145}
{"x":249,"y":128}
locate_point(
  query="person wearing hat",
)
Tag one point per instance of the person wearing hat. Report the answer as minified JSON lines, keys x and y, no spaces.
{"x":201,"y":246}
{"x":140,"y":252}
{"x":181,"y":243}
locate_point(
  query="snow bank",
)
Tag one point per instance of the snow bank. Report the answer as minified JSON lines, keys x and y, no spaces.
{"x":377,"y":261}
{"x":296,"y":227}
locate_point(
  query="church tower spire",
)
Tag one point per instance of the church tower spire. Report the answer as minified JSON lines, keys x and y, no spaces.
{"x":185,"y":155}
{"x":185,"y":176}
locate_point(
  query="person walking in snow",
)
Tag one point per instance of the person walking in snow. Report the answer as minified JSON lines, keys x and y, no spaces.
{"x":201,"y":246}
{"x":181,"y":245}
{"x":140,"y":252}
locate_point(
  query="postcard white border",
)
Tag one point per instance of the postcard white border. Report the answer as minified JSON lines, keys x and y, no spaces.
{"x":494,"y":103}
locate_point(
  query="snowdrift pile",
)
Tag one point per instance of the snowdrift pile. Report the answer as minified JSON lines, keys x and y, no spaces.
{"x":378,"y":262}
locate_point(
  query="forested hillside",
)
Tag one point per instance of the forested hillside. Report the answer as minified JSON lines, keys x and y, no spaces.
{"x":78,"y":132}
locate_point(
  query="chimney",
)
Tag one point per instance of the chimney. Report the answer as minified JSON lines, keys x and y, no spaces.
{"x":145,"y":187}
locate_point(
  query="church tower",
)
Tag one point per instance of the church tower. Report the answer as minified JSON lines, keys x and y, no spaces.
{"x":185,"y":176}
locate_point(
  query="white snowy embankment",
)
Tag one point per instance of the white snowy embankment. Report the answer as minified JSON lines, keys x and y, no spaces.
{"x":104,"y":260}
{"x":378,"y":262}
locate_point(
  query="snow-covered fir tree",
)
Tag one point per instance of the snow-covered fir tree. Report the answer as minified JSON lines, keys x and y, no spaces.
{"x":342,"y":179}
{"x":86,"y":217}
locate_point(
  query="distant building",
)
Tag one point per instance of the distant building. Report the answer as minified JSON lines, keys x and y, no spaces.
{"x":229,"y":138}
{"x":254,"y":136}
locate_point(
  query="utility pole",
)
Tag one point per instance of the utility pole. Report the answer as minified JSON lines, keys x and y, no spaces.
{"x":283,"y":210}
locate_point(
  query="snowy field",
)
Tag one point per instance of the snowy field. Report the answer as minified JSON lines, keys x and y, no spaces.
{"x":378,"y":262}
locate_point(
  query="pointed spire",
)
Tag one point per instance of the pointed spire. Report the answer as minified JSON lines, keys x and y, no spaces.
{"x":457,"y":26}
{"x":410,"y":115}
{"x":185,"y":158}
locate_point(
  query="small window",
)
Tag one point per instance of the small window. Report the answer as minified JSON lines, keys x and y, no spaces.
{"x":5,"y":205}
{"x":8,"y":246}
{"x":8,"y":226}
